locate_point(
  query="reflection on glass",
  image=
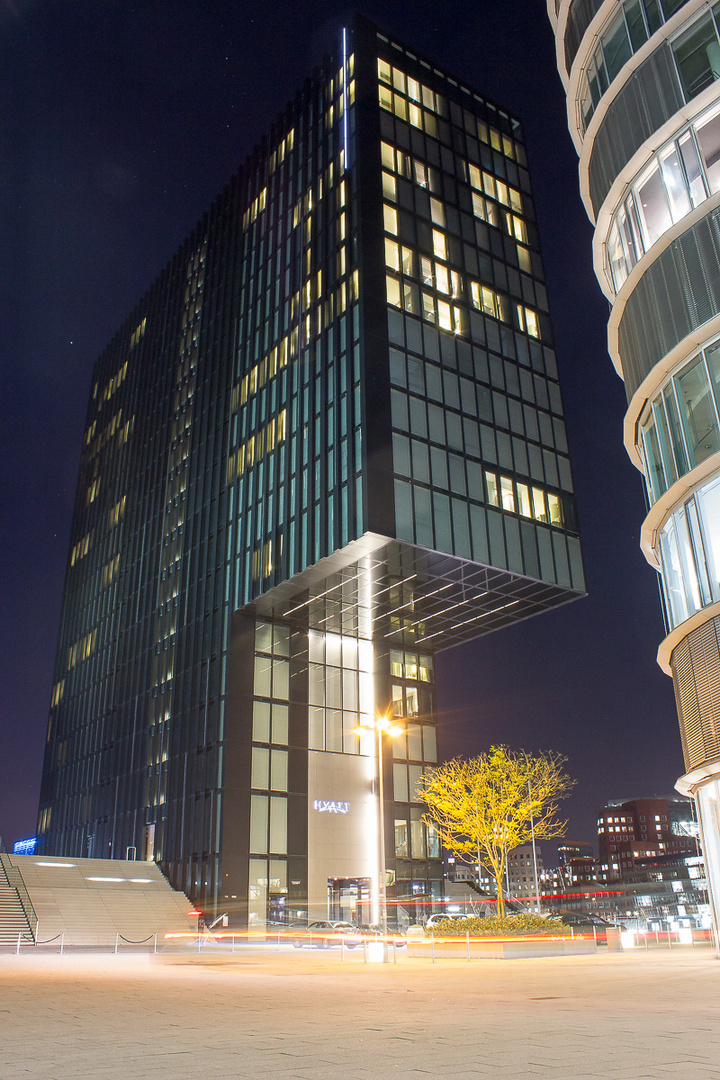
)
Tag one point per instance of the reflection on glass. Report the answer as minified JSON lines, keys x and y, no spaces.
{"x":708,"y":137}
{"x":674,"y":179}
{"x":693,"y":169}
{"x":698,"y":412}
{"x":709,"y":504}
{"x":695,"y":57}
{"x":654,"y":209}
{"x":653,"y":465}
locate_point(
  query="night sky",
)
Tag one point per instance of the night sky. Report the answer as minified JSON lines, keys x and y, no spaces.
{"x":120,"y":123}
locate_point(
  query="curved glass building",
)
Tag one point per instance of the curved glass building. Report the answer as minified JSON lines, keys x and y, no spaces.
{"x":643,"y":94}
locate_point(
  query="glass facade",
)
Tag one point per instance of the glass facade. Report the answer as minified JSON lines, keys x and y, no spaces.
{"x":679,"y":428}
{"x":328,"y":441}
{"x":621,"y":37}
{"x":680,"y":177}
{"x":671,"y":311}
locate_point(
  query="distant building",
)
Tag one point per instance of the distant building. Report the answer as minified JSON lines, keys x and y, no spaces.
{"x":521,"y":871}
{"x":639,"y":829}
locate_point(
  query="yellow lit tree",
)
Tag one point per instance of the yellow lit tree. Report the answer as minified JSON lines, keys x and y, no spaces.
{"x":483,"y":807}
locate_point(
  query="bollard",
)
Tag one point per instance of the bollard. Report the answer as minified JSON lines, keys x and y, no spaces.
{"x":117,"y":938}
{"x":17,"y":951}
{"x":595,"y":934}
{"x":62,"y":943}
{"x":155,"y":943}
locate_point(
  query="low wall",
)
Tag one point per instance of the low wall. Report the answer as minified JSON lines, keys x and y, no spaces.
{"x":500,"y":949}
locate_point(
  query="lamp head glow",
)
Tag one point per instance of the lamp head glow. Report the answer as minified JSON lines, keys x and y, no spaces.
{"x":382,"y":723}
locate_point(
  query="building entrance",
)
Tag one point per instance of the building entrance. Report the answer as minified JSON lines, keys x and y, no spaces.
{"x":349,"y":900}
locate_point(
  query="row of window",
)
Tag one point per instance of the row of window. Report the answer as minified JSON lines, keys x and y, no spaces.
{"x":443,"y":386}
{"x":624,"y":34}
{"x":449,"y":316}
{"x":415,"y":92}
{"x":424,"y":422}
{"x":681,"y":426}
{"x":458,"y":474}
{"x":414,"y":839}
{"x":680,"y":177}
{"x":442,"y":523}
{"x":690,"y":554}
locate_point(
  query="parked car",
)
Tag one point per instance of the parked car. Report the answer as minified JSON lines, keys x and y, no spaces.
{"x":438,"y":917}
{"x":323,"y":934}
{"x":586,"y":923}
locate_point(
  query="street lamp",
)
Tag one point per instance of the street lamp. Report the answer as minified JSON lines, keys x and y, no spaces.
{"x":381,"y":725}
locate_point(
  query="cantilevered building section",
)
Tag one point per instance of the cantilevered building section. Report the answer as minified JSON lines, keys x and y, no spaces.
{"x":644,"y":112}
{"x":325,"y":445}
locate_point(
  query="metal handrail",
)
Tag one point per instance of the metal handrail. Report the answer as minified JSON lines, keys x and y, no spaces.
{"x":15,"y":881}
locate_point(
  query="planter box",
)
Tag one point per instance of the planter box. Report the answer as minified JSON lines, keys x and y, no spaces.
{"x":505,"y":949}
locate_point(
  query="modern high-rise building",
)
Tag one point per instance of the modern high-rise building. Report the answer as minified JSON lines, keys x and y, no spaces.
{"x":644,"y":112}
{"x":326,"y":444}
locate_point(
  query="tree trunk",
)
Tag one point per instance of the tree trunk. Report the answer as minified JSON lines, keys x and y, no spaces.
{"x":500,"y":897}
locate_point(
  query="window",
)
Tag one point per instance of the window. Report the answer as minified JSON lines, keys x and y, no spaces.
{"x":390,"y":223}
{"x":697,"y":55}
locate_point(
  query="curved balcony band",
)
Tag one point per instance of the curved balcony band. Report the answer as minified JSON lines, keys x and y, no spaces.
{"x":651,"y":96}
{"x":694,"y":663}
{"x":677,"y":294}
{"x":679,"y":427}
{"x":580,"y":14}
{"x":626,"y":29}
{"x":679,"y":178}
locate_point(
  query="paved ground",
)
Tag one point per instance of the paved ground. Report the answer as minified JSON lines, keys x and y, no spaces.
{"x":615,"y":1016}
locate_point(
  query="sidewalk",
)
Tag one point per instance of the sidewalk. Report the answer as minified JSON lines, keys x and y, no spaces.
{"x":104,"y":1017}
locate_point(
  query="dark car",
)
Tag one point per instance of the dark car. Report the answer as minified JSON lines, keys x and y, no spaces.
{"x":587,"y":924}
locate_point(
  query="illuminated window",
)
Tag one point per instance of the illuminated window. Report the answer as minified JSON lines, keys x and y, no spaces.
{"x":390,"y":223}
{"x":389,"y":185}
{"x":392,"y":255}
{"x":507,"y":494}
{"x":437,"y":212}
{"x":554,"y":509}
{"x":528,"y":320}
{"x":439,"y":244}
{"x":487,"y":300}
{"x":493,"y":493}
{"x":524,"y":505}
{"x":393,"y":291}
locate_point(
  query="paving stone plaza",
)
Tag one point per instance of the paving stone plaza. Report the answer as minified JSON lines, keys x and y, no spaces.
{"x":311,"y":1016}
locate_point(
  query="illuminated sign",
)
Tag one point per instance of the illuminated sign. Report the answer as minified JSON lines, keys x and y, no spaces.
{"x":328,"y":806}
{"x":25,"y":847}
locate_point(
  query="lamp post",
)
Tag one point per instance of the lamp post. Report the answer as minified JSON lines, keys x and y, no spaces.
{"x":381,"y":725}
{"x":534,"y":852}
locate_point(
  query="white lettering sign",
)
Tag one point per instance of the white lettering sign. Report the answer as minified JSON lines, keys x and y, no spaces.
{"x":328,"y":806}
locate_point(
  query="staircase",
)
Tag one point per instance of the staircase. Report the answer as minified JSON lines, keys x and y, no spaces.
{"x":95,"y":902}
{"x":17,"y":916}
